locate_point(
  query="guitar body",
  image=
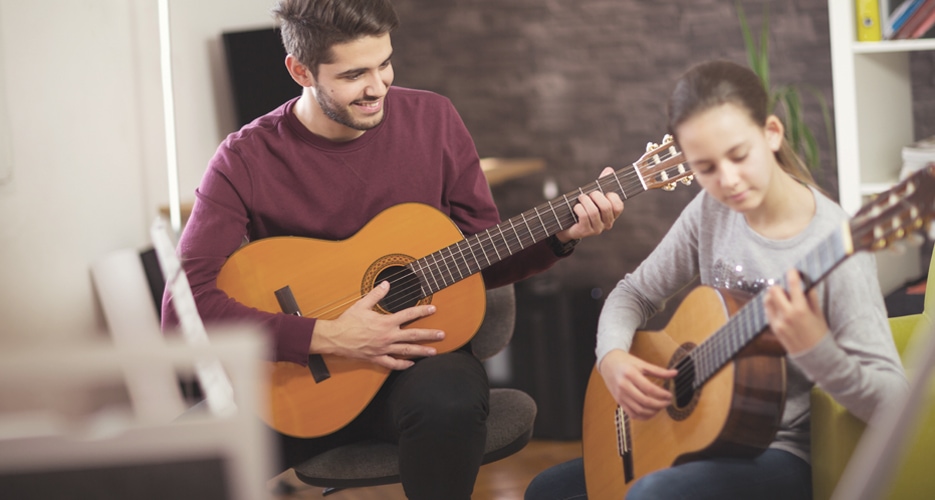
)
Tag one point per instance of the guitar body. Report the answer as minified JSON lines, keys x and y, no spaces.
{"x":326,"y":278}
{"x":735,"y":413}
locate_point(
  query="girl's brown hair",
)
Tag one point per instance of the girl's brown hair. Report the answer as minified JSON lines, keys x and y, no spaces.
{"x":713,"y":83}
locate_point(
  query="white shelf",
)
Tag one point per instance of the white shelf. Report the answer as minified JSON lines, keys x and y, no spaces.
{"x":873,"y":120}
{"x":893,"y":46}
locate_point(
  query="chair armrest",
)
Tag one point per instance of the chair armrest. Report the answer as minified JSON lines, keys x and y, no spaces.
{"x":834,"y":435}
{"x":903,"y":327}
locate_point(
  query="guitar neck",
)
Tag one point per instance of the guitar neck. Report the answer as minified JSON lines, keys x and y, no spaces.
{"x":721,"y":347}
{"x":480,"y":251}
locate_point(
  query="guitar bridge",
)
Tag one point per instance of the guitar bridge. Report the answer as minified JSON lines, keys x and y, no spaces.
{"x":624,"y":443}
{"x":316,"y":364}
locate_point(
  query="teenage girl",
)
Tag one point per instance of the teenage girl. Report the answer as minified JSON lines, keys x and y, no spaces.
{"x":758,"y":214}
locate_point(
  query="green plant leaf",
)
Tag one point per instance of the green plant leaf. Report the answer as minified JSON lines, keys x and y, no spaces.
{"x":786,"y":97}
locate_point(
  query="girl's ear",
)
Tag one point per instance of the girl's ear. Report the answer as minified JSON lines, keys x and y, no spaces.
{"x":775,"y":132}
{"x":299,"y":72}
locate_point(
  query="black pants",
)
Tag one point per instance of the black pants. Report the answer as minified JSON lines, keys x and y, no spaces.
{"x":436,"y":411}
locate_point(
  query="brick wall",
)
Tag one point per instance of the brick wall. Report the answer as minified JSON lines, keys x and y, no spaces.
{"x":583,"y":84}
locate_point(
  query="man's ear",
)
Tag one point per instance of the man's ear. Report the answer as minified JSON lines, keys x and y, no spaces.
{"x":775,"y":131}
{"x":299,"y":72}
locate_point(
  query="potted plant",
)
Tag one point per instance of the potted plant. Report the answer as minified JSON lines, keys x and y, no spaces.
{"x":787,"y":98}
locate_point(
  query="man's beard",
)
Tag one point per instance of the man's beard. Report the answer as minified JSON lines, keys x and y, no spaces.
{"x":342,"y":114}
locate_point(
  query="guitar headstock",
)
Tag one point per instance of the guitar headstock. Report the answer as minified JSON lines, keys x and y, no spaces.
{"x":894,"y":214}
{"x":662,"y":166}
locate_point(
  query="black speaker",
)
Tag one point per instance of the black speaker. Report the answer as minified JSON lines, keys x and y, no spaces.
{"x":259,"y":79}
{"x":552,"y":351}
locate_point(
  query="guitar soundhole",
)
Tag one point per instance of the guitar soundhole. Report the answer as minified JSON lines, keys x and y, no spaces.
{"x":405,"y":288}
{"x":684,"y":394}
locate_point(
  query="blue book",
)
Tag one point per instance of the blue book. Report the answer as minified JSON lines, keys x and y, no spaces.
{"x":899,"y":16}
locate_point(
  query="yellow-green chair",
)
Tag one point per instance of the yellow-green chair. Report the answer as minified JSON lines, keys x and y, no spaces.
{"x":835,"y":432}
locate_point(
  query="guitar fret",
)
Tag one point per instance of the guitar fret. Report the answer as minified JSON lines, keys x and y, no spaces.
{"x":464,"y":247}
{"x":541,"y":222}
{"x":554,"y":214}
{"x":704,"y":368}
{"x":499,"y":258}
{"x":568,"y":205}
{"x":623,"y":192}
{"x":464,"y":260}
{"x":636,"y":169}
{"x":438,"y":274}
{"x":528,"y":229}
{"x":454,"y":262}
{"x":483,"y":250}
{"x":433,"y":267}
{"x":416,"y":267}
{"x":503,"y":237}
{"x":518,"y":239}
{"x":447,"y":268}
{"x":470,"y":247}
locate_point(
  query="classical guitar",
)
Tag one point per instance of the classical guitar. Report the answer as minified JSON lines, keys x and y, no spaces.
{"x":425,"y":258}
{"x":729,"y":394}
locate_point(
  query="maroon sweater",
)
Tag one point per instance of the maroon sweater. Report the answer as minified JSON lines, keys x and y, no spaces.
{"x":275,"y":178}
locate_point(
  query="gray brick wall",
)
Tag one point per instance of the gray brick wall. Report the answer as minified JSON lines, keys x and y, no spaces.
{"x":583,"y":84}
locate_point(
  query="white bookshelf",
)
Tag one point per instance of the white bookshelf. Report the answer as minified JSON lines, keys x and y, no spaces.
{"x":873,"y":121}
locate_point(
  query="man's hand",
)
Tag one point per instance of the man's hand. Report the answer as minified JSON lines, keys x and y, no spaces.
{"x":362,"y":333}
{"x":596,"y":213}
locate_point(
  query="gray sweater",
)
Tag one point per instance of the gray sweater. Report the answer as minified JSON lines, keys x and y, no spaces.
{"x":857,"y":364}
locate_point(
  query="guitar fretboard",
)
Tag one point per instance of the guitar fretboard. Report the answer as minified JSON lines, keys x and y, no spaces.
{"x":479,"y":251}
{"x":718,"y":349}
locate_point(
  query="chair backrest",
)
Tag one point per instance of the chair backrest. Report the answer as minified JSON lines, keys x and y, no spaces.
{"x":497,"y":329}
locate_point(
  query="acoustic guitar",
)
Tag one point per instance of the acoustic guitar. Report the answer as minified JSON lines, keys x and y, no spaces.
{"x":425,"y":258}
{"x":729,"y":393}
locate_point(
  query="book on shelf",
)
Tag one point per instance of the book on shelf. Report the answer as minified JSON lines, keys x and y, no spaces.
{"x":868,"y":21}
{"x":894,"y":20}
{"x":918,"y":22}
{"x":916,"y":156}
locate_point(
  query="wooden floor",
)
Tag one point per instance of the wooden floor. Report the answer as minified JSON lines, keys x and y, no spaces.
{"x":502,"y":480}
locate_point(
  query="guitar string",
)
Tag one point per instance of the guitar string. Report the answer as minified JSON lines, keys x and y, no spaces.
{"x":750,"y":321}
{"x":602,"y":184}
{"x":718,"y":349}
{"x":414,"y":292}
{"x":816,"y":263}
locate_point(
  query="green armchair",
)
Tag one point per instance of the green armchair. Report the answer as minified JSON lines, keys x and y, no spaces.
{"x":835,"y":432}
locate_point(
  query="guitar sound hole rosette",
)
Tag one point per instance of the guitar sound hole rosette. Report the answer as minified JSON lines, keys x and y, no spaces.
{"x":405,"y":288}
{"x":684,"y":396}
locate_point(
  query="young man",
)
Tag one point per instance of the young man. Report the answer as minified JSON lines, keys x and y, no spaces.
{"x":322,"y":166}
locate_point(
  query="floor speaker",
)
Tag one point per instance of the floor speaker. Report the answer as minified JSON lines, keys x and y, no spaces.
{"x":552,"y":351}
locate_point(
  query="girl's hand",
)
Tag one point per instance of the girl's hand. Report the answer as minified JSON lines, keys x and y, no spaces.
{"x":628,"y":380}
{"x":794,"y":317}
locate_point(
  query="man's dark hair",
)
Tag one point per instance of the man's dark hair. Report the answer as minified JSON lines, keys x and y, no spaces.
{"x":310,"y":28}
